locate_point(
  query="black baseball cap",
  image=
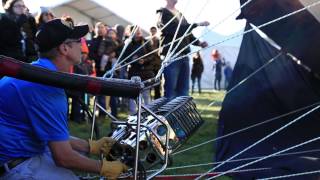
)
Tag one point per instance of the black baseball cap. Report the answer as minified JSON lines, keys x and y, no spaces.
{"x":56,"y":31}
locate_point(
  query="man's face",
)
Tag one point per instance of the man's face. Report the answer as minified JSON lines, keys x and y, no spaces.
{"x":73,"y":50}
{"x":102,"y":30}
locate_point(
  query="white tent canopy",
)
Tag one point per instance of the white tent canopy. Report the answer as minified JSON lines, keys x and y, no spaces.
{"x":88,"y":11}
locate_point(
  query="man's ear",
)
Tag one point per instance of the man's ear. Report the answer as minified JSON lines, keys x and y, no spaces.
{"x":63,"y":49}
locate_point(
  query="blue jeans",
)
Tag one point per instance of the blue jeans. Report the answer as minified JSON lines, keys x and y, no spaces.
{"x":177,"y":76}
{"x":145,"y":101}
{"x":101,"y":100}
{"x":40,"y":167}
{"x":114,"y":106}
{"x":194,"y":79}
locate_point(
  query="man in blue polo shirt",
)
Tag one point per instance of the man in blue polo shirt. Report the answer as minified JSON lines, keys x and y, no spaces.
{"x":34,"y":136}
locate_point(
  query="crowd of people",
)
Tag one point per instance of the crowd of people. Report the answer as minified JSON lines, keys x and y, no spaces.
{"x":35,"y":142}
{"x":38,"y":135}
{"x":100,"y":53}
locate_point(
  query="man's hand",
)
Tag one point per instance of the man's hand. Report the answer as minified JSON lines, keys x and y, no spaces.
{"x":203,"y":44}
{"x":112,"y":169}
{"x":103,"y":145}
{"x":204,"y":23}
{"x":141,"y":61}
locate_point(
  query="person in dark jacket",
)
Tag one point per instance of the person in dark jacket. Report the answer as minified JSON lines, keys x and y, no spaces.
{"x":97,"y":48}
{"x":112,"y":51}
{"x":156,"y":61}
{"x":196,"y":72}
{"x":177,"y":73}
{"x":142,"y":68}
{"x":17,"y":32}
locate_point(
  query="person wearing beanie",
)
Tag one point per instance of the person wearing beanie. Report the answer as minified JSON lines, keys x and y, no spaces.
{"x":35,"y":142}
{"x":44,"y":15}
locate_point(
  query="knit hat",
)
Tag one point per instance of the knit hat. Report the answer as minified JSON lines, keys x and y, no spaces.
{"x":44,"y":10}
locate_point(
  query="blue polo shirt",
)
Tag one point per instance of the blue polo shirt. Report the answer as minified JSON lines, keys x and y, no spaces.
{"x":31,"y":115}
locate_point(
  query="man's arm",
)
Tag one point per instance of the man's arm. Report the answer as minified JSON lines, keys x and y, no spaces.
{"x":79,"y":145}
{"x":65,"y":156}
{"x":170,"y":29}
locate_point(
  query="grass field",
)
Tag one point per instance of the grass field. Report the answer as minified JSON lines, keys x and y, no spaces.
{"x":199,"y":155}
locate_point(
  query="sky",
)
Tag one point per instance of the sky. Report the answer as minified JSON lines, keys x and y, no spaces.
{"x":142,"y":12}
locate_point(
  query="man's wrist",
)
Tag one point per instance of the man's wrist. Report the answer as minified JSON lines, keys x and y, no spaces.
{"x":99,"y":165}
{"x":88,"y":147}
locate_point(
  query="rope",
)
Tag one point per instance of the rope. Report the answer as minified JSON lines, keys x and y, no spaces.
{"x":181,"y":37}
{"x":220,"y":22}
{"x":247,"y":128}
{"x":291,"y":175}
{"x":145,"y":43}
{"x":255,"y":72}
{"x":238,"y":160}
{"x":208,"y":30}
{"x":126,"y":44}
{"x":268,"y":23}
{"x":112,"y":72}
{"x":266,"y":137}
{"x":174,"y":38}
{"x":246,"y":170}
{"x":227,"y":39}
{"x":215,"y":173}
{"x":248,"y":77}
{"x":266,"y":157}
{"x":170,"y":54}
{"x":252,"y":29}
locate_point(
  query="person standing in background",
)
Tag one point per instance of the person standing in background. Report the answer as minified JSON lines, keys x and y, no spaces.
{"x":196,"y":72}
{"x":177,"y":74}
{"x":35,"y":142}
{"x":141,"y":68}
{"x":17,"y":32}
{"x":44,"y":15}
{"x":97,"y":48}
{"x":217,"y":66}
{"x":156,"y":62}
{"x":227,"y":74}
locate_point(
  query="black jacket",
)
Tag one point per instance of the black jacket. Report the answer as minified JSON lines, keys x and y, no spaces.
{"x":94,"y":53}
{"x":168,"y":32}
{"x":197,"y":67}
{"x":145,"y":70}
{"x":11,"y":37}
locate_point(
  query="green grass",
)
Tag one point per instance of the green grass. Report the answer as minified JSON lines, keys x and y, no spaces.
{"x":203,"y":154}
